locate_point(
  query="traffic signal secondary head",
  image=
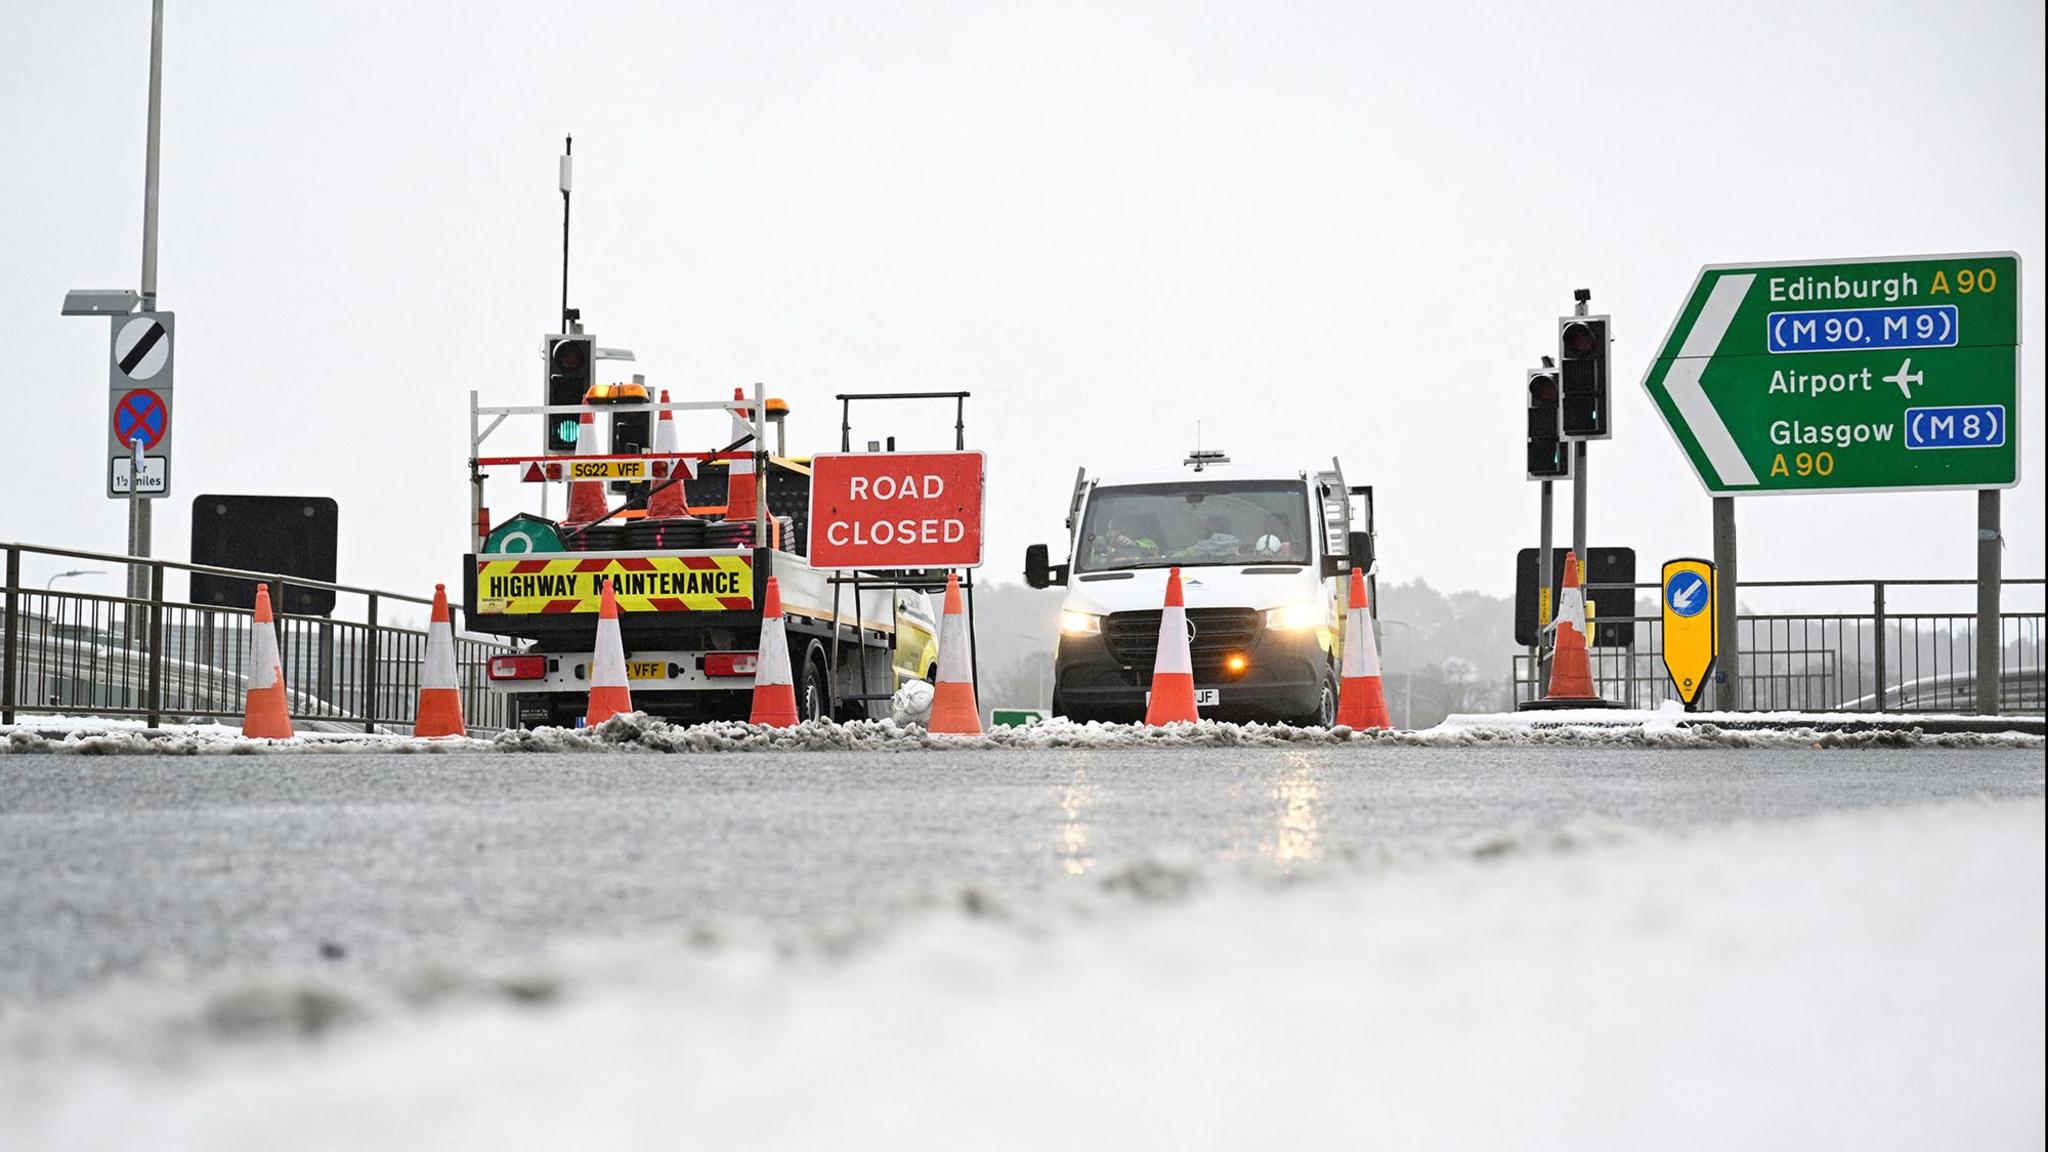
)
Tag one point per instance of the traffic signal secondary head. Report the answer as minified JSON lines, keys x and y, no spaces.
{"x":1549,"y":456}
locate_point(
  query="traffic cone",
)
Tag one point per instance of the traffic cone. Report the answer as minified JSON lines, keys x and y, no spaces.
{"x":1361,"y":698}
{"x":1173,"y":670}
{"x":265,"y":713}
{"x":586,"y":497}
{"x":669,"y":498}
{"x":609,"y":693}
{"x":741,"y":490}
{"x":1571,"y":674}
{"x":440,"y":704}
{"x":953,"y":708}
{"x":774,"y":696}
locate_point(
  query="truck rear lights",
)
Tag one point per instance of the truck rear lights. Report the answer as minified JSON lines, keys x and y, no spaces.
{"x":518,"y":667}
{"x":730,"y":663}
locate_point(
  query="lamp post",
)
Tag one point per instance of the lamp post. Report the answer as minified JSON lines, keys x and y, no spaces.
{"x":1408,"y":672}
{"x":68,"y":575}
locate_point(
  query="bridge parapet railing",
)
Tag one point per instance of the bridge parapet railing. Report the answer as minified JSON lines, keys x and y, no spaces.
{"x":163,"y":657}
{"x":1840,"y":645}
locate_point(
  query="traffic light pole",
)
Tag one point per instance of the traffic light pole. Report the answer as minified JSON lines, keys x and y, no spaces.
{"x":1544,"y":567}
{"x":139,"y":510}
{"x":1579,"y":308}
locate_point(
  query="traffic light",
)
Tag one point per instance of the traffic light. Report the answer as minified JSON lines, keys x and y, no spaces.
{"x":1582,"y":374}
{"x":1549,"y":456}
{"x":571,"y":367}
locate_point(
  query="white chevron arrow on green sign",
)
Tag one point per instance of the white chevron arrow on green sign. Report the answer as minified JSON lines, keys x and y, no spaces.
{"x":1846,"y":375}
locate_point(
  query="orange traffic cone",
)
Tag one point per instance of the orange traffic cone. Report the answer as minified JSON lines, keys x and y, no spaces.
{"x":1173,"y":670}
{"x":586,"y":497}
{"x":953,"y":708}
{"x":1571,"y":675}
{"x":440,"y":704}
{"x":609,"y":693}
{"x":774,"y":696}
{"x":1361,"y":698}
{"x":741,"y":489}
{"x":265,"y":713}
{"x":669,"y":499}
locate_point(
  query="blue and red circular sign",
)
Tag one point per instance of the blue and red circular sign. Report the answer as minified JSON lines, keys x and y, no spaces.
{"x":141,"y":414}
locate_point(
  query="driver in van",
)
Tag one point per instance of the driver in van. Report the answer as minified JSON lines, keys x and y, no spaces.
{"x":1133,"y":537}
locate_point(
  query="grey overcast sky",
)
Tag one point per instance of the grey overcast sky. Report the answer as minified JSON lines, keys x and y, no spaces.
{"x":1318,"y":229}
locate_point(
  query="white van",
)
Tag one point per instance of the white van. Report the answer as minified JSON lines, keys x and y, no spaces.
{"x":1265,"y":556}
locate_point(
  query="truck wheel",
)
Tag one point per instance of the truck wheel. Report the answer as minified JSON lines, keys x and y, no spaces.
{"x":814,"y":693}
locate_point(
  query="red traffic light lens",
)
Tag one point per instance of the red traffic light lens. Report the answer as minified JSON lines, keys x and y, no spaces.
{"x":568,"y":357}
{"x":1542,"y":391}
{"x":1579,"y":339}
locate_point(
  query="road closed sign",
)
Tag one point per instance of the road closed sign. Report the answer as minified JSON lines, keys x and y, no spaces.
{"x":897,"y":509}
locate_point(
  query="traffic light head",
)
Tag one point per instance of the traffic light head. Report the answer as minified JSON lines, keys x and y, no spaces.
{"x":1549,"y":456}
{"x":571,"y":367}
{"x":1582,"y":354}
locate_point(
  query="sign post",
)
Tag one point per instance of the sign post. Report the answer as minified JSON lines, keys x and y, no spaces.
{"x":1833,"y":376}
{"x":1689,"y":632}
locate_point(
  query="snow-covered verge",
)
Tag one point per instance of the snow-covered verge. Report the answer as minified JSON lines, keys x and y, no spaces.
{"x":1862,"y":980}
{"x":638,"y":732}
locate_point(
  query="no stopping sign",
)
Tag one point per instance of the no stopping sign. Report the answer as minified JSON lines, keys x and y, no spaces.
{"x":897,"y":509}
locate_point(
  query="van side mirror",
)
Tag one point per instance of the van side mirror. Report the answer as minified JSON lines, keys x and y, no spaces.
{"x":1361,"y":551}
{"x":1039,"y":571}
{"x":1357,"y":555}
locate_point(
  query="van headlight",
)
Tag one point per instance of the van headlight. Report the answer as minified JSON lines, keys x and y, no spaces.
{"x":1299,"y":616}
{"x":1080,"y":623}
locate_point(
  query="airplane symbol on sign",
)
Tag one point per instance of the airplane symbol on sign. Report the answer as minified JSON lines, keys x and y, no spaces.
{"x":1903,"y":378}
{"x":1684,"y":597}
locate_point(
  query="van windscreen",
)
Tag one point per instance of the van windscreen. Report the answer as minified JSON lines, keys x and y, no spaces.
{"x":1159,"y":525}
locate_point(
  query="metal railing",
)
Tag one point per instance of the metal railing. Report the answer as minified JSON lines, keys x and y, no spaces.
{"x":1904,"y":649}
{"x":159,"y":658}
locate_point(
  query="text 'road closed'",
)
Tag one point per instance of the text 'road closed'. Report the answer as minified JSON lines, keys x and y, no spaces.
{"x":896,"y":510}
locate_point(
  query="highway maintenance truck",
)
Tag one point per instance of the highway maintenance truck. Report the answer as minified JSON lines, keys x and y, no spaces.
{"x":688,"y":551}
{"x":1265,"y":555}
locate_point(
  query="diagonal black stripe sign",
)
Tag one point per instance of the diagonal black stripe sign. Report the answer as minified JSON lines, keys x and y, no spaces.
{"x":142,"y":347}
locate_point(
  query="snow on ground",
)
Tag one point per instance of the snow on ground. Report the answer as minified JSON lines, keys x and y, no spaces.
{"x":1870,"y":980}
{"x":639,"y":733}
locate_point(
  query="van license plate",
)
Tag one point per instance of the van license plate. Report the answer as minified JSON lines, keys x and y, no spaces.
{"x":646,"y":670}
{"x":1204,"y":697}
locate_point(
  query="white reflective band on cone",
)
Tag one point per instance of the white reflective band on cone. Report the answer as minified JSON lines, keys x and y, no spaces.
{"x":1361,"y":655}
{"x":772,"y":665}
{"x":608,"y":669}
{"x":1173,"y":642}
{"x":264,"y":670}
{"x":953,"y":661}
{"x":439,"y":669}
{"x":1572,"y":609}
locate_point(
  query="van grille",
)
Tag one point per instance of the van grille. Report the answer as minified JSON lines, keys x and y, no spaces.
{"x":1133,"y":637}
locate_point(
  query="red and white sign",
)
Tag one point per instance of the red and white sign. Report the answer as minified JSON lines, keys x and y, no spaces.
{"x":897,"y":509}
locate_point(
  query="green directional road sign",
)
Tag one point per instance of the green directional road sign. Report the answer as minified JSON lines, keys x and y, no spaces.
{"x":1873,"y":375}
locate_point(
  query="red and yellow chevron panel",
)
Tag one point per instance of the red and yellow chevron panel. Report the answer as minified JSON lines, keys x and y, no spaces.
{"x":567,"y":584}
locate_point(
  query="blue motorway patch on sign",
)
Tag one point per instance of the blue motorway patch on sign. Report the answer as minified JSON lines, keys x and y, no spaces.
{"x":1849,"y":329}
{"x":1686,"y":593}
{"x":1959,"y":426}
